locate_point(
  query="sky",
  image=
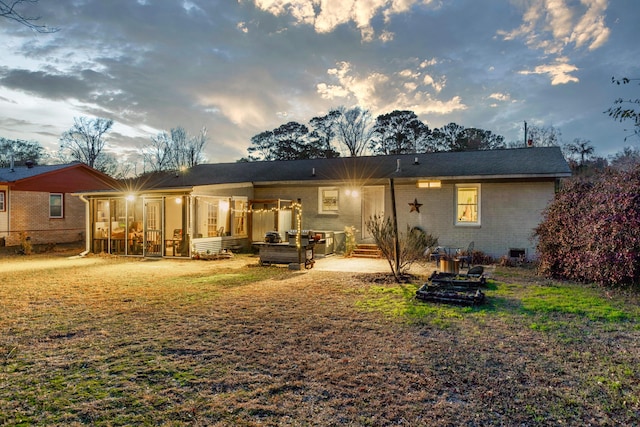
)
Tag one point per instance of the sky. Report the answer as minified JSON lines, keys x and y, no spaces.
{"x":240,"y":67}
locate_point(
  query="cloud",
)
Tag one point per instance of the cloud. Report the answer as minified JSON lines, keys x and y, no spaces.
{"x":553,"y":25}
{"x":559,"y":27}
{"x":500,"y":96}
{"x":559,"y":72}
{"x":40,"y":83}
{"x":326,"y":15}
{"x":591,"y":29}
{"x":406,"y":89}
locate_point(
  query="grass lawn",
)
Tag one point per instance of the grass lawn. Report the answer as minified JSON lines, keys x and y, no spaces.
{"x":113,"y":341}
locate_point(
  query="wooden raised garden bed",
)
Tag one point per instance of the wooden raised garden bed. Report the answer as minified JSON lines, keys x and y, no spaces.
{"x":459,"y":289}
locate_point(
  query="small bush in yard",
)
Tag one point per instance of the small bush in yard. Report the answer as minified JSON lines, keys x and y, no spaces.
{"x":25,"y":244}
{"x":411,"y":244}
{"x":591,"y":231}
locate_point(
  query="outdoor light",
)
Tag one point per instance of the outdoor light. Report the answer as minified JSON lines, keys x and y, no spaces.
{"x":178,"y":200}
{"x":131,"y":197}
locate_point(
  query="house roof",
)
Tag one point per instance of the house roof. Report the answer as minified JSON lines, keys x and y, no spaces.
{"x":8,"y":175}
{"x":536,"y":162}
{"x":70,"y":177}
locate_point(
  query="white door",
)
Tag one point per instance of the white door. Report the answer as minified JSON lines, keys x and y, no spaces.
{"x":372,"y":204}
{"x":153,"y":227}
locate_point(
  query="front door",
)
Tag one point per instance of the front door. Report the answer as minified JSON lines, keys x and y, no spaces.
{"x":372,"y":204}
{"x":153,"y":227}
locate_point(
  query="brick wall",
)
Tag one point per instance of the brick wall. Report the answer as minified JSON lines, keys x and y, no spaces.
{"x":29,"y":212}
{"x":509,"y":213}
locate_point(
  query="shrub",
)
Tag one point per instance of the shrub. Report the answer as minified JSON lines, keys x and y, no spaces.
{"x":25,"y":244}
{"x":349,"y":240}
{"x":480,"y":258}
{"x":412,"y":244}
{"x":591,"y":231}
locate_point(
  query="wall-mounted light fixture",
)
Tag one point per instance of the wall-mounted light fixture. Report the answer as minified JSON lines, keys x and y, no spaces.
{"x":351,"y":193}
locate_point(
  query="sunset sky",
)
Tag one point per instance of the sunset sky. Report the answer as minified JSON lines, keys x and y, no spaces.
{"x":240,"y":67}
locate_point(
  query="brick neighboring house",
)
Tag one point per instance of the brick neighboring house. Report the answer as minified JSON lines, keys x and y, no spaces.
{"x":38,"y":201}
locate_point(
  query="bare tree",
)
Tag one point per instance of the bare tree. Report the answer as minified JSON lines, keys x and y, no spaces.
{"x":10,"y":10}
{"x":194,"y":148}
{"x":544,"y":136}
{"x":354,"y":127}
{"x":85,"y":141}
{"x":157,"y":154}
{"x":174,"y":150}
{"x":581,"y":148}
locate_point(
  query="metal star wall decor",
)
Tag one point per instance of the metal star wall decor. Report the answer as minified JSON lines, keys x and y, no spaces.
{"x":415,"y":206}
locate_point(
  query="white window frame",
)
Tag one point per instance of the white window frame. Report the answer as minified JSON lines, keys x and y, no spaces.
{"x":61,"y":195}
{"x":323,"y":207}
{"x":3,"y":200}
{"x":478,"y":204}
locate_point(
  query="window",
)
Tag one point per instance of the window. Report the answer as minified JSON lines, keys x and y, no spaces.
{"x":3,"y":206}
{"x":212,"y":216}
{"x":55,"y":205}
{"x":328,"y":200}
{"x":468,"y":204}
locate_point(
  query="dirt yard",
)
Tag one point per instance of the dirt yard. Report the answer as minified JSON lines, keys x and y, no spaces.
{"x":112,"y":341}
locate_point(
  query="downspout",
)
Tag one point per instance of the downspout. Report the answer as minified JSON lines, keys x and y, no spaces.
{"x":87,"y":234}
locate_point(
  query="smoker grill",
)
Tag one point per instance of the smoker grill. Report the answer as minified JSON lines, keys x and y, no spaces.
{"x":272,"y":237}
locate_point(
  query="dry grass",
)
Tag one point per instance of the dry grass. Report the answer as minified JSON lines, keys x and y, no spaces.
{"x":112,"y":341}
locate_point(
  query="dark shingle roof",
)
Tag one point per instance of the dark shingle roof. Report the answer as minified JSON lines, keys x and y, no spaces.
{"x":508,"y":163}
{"x":23,"y":172}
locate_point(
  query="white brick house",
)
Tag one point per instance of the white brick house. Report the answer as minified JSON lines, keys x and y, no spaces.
{"x":493,"y":198}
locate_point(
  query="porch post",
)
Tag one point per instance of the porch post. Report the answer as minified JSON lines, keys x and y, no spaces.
{"x":394,"y":218}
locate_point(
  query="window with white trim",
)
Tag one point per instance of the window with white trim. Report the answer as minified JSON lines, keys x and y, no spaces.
{"x":467,"y":204}
{"x":56,"y":205}
{"x":3,"y":206}
{"x":328,"y":199}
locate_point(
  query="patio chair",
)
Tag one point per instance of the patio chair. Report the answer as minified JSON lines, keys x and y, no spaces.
{"x":438,"y":253}
{"x":466,"y":256}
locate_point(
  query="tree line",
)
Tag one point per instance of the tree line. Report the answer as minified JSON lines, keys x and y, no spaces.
{"x":354,"y":132}
{"x":86,"y":142}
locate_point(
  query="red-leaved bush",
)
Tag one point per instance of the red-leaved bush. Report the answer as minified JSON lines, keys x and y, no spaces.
{"x":591,"y":231}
